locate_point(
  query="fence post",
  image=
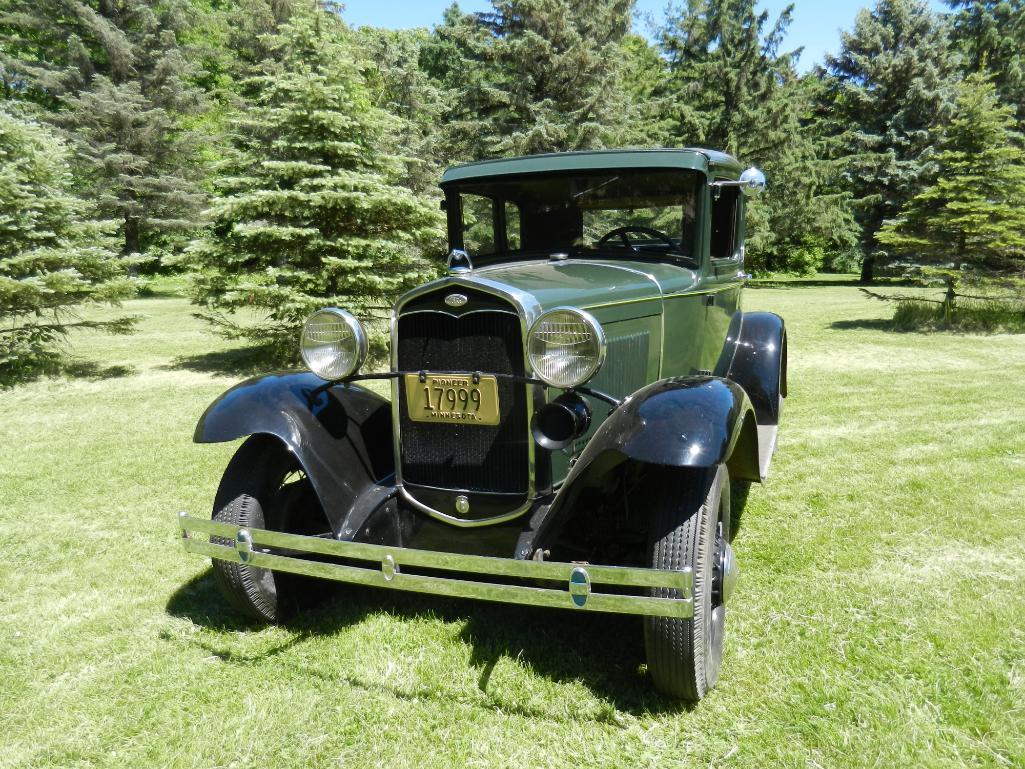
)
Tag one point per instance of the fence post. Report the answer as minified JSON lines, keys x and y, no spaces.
{"x":948,"y":301}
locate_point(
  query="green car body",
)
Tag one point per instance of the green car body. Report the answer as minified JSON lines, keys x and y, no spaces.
{"x":627,"y":265}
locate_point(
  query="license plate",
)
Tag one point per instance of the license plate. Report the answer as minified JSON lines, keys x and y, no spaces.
{"x":452,"y":398}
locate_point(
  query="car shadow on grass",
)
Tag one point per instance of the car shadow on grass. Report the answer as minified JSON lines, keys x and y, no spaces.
{"x":603,"y":652}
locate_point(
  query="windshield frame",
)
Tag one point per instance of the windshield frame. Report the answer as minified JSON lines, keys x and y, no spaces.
{"x":456,"y":189}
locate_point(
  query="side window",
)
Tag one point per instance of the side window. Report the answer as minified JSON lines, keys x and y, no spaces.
{"x":478,"y":224}
{"x":512,"y":226}
{"x":724,"y":224}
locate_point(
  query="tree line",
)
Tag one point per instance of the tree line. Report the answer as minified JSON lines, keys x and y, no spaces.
{"x":285,"y":160}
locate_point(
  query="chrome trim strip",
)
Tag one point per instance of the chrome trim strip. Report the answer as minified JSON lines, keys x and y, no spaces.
{"x":457,"y":314}
{"x":385,"y":570}
{"x":528,"y":309}
{"x":703,"y":292}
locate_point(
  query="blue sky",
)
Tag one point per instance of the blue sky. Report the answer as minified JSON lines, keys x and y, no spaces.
{"x":816,"y":25}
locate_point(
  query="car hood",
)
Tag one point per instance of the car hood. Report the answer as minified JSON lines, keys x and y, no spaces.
{"x":587,"y":283}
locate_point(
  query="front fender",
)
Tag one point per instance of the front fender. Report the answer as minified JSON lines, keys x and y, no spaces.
{"x":684,"y":422}
{"x":694,"y":421}
{"x":341,"y":434}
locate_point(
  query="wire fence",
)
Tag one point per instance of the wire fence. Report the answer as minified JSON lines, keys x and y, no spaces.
{"x":987,"y":311}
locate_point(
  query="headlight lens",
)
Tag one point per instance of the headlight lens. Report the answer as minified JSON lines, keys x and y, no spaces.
{"x":566,"y":347}
{"x":333,"y":343}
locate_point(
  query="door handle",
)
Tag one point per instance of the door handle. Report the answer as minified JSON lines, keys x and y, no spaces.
{"x":709,"y":300}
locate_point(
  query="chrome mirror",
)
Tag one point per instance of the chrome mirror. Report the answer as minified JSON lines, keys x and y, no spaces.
{"x":752,"y":182}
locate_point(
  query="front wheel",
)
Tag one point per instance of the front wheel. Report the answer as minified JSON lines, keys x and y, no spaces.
{"x":687,"y":531}
{"x":264,"y":487}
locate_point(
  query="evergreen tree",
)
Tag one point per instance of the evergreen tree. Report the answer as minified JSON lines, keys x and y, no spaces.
{"x":314,"y":215}
{"x":890,"y":83}
{"x":973,"y":212}
{"x":645,"y":70}
{"x":533,"y":75}
{"x":730,"y":87}
{"x":115,"y":76}
{"x":991,"y":33}
{"x":400,"y":87}
{"x":52,"y":260}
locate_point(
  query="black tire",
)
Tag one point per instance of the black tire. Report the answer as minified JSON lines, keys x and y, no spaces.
{"x":264,"y":487}
{"x":684,"y":655}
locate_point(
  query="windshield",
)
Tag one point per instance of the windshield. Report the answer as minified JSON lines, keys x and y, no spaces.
{"x":612,"y":212}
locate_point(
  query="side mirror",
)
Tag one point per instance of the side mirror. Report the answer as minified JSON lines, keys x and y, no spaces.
{"x":752,"y":182}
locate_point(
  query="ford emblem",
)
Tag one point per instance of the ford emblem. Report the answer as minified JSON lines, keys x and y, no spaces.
{"x":456,"y":300}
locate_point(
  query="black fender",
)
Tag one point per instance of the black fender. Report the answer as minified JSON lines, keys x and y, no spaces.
{"x":755,"y":357}
{"x":340,"y":433}
{"x":681,"y":422}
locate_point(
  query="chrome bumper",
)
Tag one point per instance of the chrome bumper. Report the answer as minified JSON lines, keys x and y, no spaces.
{"x":384,"y":569}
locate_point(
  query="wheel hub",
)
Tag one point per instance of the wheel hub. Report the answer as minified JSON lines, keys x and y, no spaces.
{"x":725,"y":574}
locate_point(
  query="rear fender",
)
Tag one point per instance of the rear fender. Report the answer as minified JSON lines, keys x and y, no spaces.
{"x":755,"y":357}
{"x":341,"y":434}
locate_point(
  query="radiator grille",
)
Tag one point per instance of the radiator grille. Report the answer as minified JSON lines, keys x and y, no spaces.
{"x":460,"y":456}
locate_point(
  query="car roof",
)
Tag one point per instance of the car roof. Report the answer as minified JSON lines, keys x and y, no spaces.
{"x":691,"y":158}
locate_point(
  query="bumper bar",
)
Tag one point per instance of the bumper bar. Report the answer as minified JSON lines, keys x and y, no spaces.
{"x":283,"y":552}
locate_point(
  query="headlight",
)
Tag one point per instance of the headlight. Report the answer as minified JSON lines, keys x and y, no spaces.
{"x":566,"y":347}
{"x":333,"y":343}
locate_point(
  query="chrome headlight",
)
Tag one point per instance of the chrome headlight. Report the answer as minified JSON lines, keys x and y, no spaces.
{"x":333,"y":343}
{"x":566,"y":347}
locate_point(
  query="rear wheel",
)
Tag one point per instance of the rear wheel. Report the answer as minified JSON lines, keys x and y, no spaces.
{"x":264,"y":487}
{"x":688,"y":528}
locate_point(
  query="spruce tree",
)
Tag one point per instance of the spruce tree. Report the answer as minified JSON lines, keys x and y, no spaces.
{"x":646,"y":122}
{"x":729,"y":86}
{"x":116,"y":76}
{"x":53,"y":259}
{"x":533,"y":75}
{"x":400,"y":87}
{"x":991,"y":33}
{"x":314,"y":214}
{"x":972,"y":214}
{"x":892,"y":81}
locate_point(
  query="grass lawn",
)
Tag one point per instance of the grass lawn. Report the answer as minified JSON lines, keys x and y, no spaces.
{"x":879,"y":622}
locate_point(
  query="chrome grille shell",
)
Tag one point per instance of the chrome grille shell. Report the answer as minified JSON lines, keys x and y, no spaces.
{"x":528,"y":310}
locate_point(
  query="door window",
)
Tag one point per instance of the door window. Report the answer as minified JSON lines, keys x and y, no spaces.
{"x":724,"y":223}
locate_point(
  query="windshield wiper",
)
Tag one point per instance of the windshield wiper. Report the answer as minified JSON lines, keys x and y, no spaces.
{"x":595,"y":188}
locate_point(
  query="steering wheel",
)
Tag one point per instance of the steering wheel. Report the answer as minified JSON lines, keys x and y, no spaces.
{"x":622,"y":232}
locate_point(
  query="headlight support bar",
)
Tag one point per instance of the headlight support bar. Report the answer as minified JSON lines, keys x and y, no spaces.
{"x":590,"y":392}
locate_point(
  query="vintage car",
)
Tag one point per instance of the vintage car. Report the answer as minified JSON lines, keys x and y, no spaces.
{"x":570,"y":407}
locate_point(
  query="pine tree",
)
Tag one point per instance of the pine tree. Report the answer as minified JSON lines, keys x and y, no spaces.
{"x":52,"y":259}
{"x":730,"y":87}
{"x":533,"y":75}
{"x":314,"y":215}
{"x":116,"y":77}
{"x":973,"y":212}
{"x":891,"y":82}
{"x":991,"y":33}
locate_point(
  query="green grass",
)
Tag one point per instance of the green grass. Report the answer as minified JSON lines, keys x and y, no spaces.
{"x":879,"y":622}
